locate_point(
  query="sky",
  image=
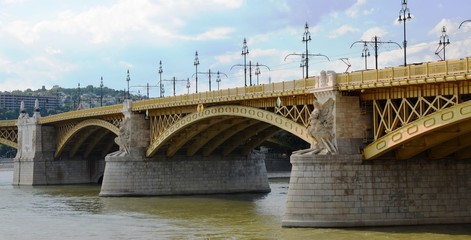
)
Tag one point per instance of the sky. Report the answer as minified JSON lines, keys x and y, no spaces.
{"x":66,"y":43}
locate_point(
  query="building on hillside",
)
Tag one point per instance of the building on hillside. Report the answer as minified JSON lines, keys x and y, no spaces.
{"x":11,"y":101}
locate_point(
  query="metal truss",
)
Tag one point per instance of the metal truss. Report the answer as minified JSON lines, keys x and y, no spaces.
{"x":297,"y":113}
{"x":390,"y":114}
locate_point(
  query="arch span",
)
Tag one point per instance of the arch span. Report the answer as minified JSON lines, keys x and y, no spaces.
{"x":230,"y":111}
{"x":425,"y":133}
{"x":86,"y":123}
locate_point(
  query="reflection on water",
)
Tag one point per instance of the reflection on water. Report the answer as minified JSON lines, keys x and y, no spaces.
{"x":76,"y":212}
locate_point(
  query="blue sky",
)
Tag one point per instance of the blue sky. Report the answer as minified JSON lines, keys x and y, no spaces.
{"x":52,"y":42}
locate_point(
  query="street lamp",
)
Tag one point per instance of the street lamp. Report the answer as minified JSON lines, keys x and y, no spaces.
{"x":79,"y":100}
{"x":160,"y":80}
{"x":257,"y":71}
{"x":306,"y":39}
{"x":404,"y":15}
{"x":365,"y":54}
{"x":303,"y":63}
{"x":101,"y":92}
{"x":196,"y":63}
{"x":444,"y":41}
{"x":188,"y":85}
{"x":128,"y":78}
{"x":245,"y":51}
{"x":218,"y":79}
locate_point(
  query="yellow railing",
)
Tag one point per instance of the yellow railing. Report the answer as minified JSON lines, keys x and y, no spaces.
{"x":7,"y":123}
{"x":257,"y":91}
{"x":423,"y":70}
{"x":91,"y":112}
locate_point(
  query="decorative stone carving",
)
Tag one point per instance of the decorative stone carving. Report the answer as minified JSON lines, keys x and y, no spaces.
{"x":23,"y":113}
{"x":124,"y":136}
{"x":321,"y":128}
{"x":327,"y":79}
{"x":36,"y":114}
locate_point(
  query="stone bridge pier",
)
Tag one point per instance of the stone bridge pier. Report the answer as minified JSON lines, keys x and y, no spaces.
{"x":129,"y":172}
{"x":34,"y":163}
{"x":337,"y":188}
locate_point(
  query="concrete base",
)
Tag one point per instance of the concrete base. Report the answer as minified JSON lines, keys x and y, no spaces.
{"x":343,"y":191}
{"x":51,"y":172}
{"x":134,"y":175}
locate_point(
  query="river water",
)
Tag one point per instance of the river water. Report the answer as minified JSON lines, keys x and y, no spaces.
{"x":76,"y":212}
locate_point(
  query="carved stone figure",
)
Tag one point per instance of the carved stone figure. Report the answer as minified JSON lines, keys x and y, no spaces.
{"x":321,"y":128}
{"x":124,"y":136}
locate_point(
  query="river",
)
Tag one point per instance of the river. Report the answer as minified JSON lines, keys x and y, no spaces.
{"x":76,"y":212}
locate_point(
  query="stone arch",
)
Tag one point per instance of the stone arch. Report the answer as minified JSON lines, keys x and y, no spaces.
{"x":89,"y":122}
{"x":231,"y":111}
{"x":430,"y":131}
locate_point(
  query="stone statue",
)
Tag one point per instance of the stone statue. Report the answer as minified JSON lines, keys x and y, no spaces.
{"x":321,"y":128}
{"x":36,"y":113}
{"x":124,"y":136}
{"x":23,"y":113}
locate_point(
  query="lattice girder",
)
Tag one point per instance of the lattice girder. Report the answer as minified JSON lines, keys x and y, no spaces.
{"x":391,"y":114}
{"x":424,"y":133}
{"x":9,"y":136}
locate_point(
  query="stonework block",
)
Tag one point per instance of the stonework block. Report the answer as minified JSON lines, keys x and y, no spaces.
{"x":134,"y":175}
{"x":381,"y":192}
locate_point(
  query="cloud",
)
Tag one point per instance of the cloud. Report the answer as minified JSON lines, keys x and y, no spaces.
{"x":355,"y":9}
{"x":375,"y":31}
{"x":33,"y":71}
{"x":344,"y":29}
{"x":450,"y":26}
{"x":102,"y":24}
{"x":213,"y":34}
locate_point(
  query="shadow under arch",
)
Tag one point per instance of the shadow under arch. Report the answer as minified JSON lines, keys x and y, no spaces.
{"x":84,"y":124}
{"x":259,"y":115}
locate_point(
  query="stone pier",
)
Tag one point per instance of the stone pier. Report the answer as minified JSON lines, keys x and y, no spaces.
{"x":343,"y":191}
{"x":129,"y":173}
{"x":336,"y":188}
{"x":34,"y":163}
{"x":135,"y":175}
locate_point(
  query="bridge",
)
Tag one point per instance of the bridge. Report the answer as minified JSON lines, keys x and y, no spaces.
{"x":382,"y":147}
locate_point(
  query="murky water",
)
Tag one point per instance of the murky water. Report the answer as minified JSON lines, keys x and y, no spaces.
{"x":76,"y":212}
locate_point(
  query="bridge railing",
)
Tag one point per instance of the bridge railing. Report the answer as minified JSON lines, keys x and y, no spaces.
{"x":263,"y":90}
{"x":422,"y":70}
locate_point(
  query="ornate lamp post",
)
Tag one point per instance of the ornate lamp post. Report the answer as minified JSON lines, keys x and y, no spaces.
{"x":101,"y":92}
{"x":196,"y":63}
{"x":218,"y":79}
{"x":306,"y":39}
{"x":128,"y":78}
{"x":404,"y":15}
{"x":444,"y":41}
{"x":365,"y":54}
{"x":245,"y":51}
{"x":303,"y":63}
{"x":79,"y":100}
{"x":188,"y":85}
{"x":161,"y":86}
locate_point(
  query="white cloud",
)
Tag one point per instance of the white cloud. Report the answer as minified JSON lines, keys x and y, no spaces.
{"x":102,"y":24}
{"x":344,"y":29}
{"x":450,"y":26}
{"x":375,"y":31}
{"x":32,"y":72}
{"x":355,"y":9}
{"x":213,"y":34}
